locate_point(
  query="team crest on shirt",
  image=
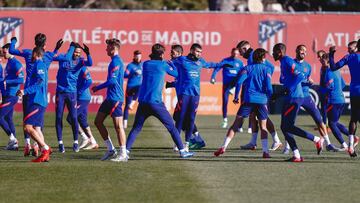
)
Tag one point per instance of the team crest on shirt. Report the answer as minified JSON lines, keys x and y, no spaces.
{"x":237,"y":65}
{"x":271,"y":32}
{"x":11,"y":27}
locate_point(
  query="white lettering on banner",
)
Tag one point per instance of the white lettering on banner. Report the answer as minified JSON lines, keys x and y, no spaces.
{"x":340,"y":38}
{"x":144,"y":37}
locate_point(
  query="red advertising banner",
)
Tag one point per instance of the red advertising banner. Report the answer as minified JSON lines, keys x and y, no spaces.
{"x":218,"y":33}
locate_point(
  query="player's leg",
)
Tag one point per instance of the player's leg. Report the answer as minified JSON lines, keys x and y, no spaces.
{"x":71,"y":104}
{"x":323,"y":104}
{"x":160,"y":112}
{"x":142,"y":113}
{"x":255,"y":129}
{"x":59,"y":106}
{"x":183,"y":108}
{"x":84,"y":126}
{"x":225,"y":100}
{"x":262,"y":115}
{"x":6,"y":122}
{"x":355,"y":117}
{"x":27,"y":147}
{"x":117,"y":117}
{"x":276,"y":141}
{"x":192,"y":109}
{"x":333,"y":119}
{"x":128,"y":100}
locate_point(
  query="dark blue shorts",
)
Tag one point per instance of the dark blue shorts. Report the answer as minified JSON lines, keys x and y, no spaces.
{"x":35,"y":115}
{"x":112,"y":108}
{"x":133,"y":92}
{"x":260,"y":110}
{"x":8,"y":104}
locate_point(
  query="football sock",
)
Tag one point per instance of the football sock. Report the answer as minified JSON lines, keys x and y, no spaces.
{"x":297,"y":154}
{"x":109,"y":144}
{"x":254,"y":138}
{"x":264,"y":143}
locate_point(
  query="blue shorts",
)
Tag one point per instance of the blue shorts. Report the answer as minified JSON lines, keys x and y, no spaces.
{"x":35,"y":115}
{"x":133,"y":92}
{"x":260,"y":110}
{"x":82,"y":112}
{"x":7,"y":105}
{"x":310,"y":107}
{"x":112,"y":108}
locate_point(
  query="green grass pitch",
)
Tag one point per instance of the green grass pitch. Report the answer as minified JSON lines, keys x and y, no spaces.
{"x":156,"y":174}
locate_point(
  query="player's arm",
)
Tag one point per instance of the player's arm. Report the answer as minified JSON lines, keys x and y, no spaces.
{"x":308,"y":81}
{"x":329,"y":82}
{"x":67,"y":56}
{"x":40,"y":76}
{"x":208,"y":65}
{"x":13,"y":50}
{"x":240,"y":79}
{"x":343,"y":84}
{"x":127,"y":72}
{"x":89,"y":61}
{"x":87,"y":81}
{"x":269,"y":89}
{"x":114,"y":73}
{"x":335,"y":66}
{"x":19,"y":76}
{"x":171,"y":70}
{"x":215,"y":71}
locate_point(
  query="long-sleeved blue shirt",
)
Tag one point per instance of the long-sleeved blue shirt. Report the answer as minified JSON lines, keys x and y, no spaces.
{"x":291,"y":77}
{"x":230,"y":68}
{"x":2,"y":89}
{"x":14,"y":76}
{"x":38,"y":84}
{"x":334,"y":84}
{"x":153,"y":80}
{"x":134,"y":74}
{"x":27,"y":55}
{"x":322,"y":84}
{"x":69,"y":70}
{"x":305,"y":68}
{"x":353,"y":62}
{"x":189,"y":74}
{"x":83,"y":84}
{"x":115,"y":80}
{"x":258,"y":82}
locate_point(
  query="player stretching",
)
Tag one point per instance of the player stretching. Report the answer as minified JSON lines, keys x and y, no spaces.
{"x":112,"y":104}
{"x":37,"y":103}
{"x":336,"y":100}
{"x":134,"y":74}
{"x":247,"y":52}
{"x":291,"y":77}
{"x":14,"y":76}
{"x":308,"y":103}
{"x":230,"y":67}
{"x":353,"y":62}
{"x":258,"y":82}
{"x":40,"y":41}
{"x":150,"y":99}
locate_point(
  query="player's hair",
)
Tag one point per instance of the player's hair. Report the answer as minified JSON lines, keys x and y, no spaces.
{"x":298,"y":47}
{"x":137,"y":52}
{"x":113,"y":42}
{"x":40,"y":40}
{"x":37,"y":52}
{"x":242,"y":43}
{"x":77,"y":45}
{"x":280,"y":46}
{"x":233,"y":49}
{"x":177,"y":48}
{"x":6,"y":46}
{"x":259,"y":55}
{"x":195,"y":46}
{"x":325,"y":57}
{"x":351,"y":43}
{"x":157,"y":50}
{"x":320,"y":51}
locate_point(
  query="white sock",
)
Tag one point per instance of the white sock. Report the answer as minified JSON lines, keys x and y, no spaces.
{"x":61,"y":142}
{"x":316,"y":138}
{"x":109,"y":144}
{"x":225,"y":120}
{"x":125,"y":123}
{"x":264,"y":143}
{"x":275,"y":137}
{"x":297,"y":154}
{"x":76,"y":142}
{"x":27,"y":141}
{"x":46,"y":147}
{"x":123,"y":150}
{"x":92,"y":140}
{"x":351,"y":141}
{"x":196,"y":133}
{"x":327,"y":140}
{"x":344,"y":145}
{"x":227,"y":141}
{"x":12,"y":137}
{"x":254,"y":138}
{"x":83,"y":136}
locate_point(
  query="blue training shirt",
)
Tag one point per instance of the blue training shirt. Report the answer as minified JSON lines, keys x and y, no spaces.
{"x":305,"y":68}
{"x":83,"y":84}
{"x":14,"y":76}
{"x":115,"y":80}
{"x":27,"y":55}
{"x":257,"y":79}
{"x":38,"y":84}
{"x":153,"y":81}
{"x":291,"y":77}
{"x":353,"y":62}
{"x":334,"y":85}
{"x":230,"y":68}
{"x":2,"y":89}
{"x":189,"y":74}
{"x":134,"y":74}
